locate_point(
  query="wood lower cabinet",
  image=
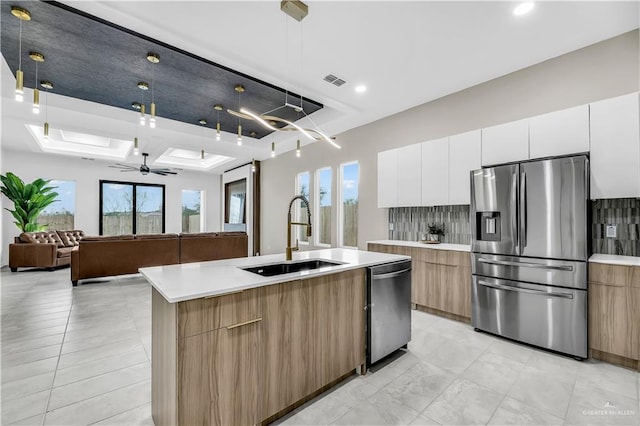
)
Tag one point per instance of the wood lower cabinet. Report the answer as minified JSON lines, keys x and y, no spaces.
{"x":443,"y":284}
{"x":246,"y":357}
{"x":313,"y":334}
{"x":614,"y":313}
{"x":218,"y":377}
{"x":440,"y":280}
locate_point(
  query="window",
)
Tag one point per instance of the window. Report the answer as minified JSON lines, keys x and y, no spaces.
{"x":322,"y":226}
{"x":60,"y":215}
{"x":302,"y":188}
{"x":131,"y":208}
{"x":192,"y":218}
{"x":348,"y":215}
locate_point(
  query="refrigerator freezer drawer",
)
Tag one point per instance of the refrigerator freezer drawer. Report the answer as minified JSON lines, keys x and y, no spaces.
{"x":548,"y":317}
{"x":560,"y":273}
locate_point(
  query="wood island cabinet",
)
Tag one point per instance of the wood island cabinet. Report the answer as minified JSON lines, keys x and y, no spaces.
{"x":614,"y":313}
{"x":440,"y":279}
{"x":247,"y":357}
{"x":313,"y":334}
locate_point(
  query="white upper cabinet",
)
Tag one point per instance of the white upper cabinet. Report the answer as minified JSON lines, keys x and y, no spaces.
{"x":435,"y":172}
{"x":409,"y":175}
{"x":559,"y":133}
{"x":505,"y":143}
{"x":615,"y":147}
{"x":464,"y":156}
{"x":388,"y":178}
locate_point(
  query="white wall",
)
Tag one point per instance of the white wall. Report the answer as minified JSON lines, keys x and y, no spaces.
{"x":87,"y":174}
{"x":600,"y":71}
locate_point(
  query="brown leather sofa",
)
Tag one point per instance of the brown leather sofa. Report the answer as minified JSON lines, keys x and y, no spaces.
{"x":45,"y":249}
{"x":205,"y":246}
{"x":125,"y":254}
{"x":105,"y":256}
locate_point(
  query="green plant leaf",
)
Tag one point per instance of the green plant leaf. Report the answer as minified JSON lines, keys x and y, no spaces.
{"x":29,"y":200}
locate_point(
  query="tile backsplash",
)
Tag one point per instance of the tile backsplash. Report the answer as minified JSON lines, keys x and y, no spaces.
{"x":623,"y":212}
{"x":409,"y":222}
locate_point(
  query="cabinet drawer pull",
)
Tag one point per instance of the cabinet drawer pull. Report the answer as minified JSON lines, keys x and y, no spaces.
{"x":231,"y":327}
{"x":222,"y":295}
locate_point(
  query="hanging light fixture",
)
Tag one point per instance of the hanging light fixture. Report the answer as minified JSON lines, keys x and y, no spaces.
{"x":218,"y":108}
{"x":144,"y":87}
{"x":240,"y":89}
{"x":154,"y":58}
{"x":136,"y":147}
{"x":273,"y":149}
{"x":22,"y":15}
{"x":37,"y":58}
{"x":203,"y":123}
{"x":253,"y":165}
{"x":47,"y":85}
{"x":298,"y":148}
{"x":297,"y":10}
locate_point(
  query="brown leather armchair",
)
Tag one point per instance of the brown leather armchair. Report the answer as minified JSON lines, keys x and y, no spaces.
{"x":45,"y":249}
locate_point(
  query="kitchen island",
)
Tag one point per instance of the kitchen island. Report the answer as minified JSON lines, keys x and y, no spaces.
{"x":233,"y":347}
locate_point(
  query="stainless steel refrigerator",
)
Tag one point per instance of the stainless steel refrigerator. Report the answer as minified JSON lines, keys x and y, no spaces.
{"x":530,"y":248}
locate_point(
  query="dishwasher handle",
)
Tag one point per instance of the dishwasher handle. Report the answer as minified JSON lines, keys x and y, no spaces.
{"x":390,"y":274}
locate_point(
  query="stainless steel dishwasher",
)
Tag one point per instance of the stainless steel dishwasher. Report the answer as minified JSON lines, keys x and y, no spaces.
{"x":388,"y":309}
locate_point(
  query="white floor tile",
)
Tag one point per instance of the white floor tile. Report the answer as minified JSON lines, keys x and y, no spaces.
{"x":464,"y":403}
{"x":449,"y":374}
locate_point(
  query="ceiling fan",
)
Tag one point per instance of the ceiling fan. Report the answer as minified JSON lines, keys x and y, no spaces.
{"x":144,"y":169}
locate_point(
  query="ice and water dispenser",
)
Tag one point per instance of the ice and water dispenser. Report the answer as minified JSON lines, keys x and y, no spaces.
{"x":488,"y":224}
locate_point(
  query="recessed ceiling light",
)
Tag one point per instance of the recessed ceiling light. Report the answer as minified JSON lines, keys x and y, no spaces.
{"x":361,"y":88}
{"x":523,"y":8}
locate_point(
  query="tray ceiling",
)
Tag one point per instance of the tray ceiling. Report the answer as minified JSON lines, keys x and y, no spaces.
{"x":91,"y":59}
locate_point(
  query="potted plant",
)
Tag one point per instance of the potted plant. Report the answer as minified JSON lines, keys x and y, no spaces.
{"x":436,"y":232}
{"x":29,"y":200}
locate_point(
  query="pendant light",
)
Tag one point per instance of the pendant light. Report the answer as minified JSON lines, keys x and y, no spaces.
{"x":22,"y":15}
{"x":253,"y":165}
{"x":37,"y":58}
{"x":218,"y":108}
{"x":144,"y":87}
{"x":136,"y":146}
{"x":298,"y":148}
{"x":47,"y":85}
{"x":203,"y":123}
{"x":273,"y":149}
{"x":239,"y":88}
{"x":154,"y":58}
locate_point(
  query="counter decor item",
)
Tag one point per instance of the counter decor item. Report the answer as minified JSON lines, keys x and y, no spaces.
{"x":435,"y":234}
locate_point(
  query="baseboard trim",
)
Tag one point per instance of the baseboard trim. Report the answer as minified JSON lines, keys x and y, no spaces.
{"x":443,"y":314}
{"x":621,"y":361}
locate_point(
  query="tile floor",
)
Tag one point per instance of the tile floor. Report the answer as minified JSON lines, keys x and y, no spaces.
{"x":82,"y":356}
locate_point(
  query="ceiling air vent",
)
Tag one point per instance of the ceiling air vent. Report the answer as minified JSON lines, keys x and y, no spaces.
{"x":330,"y":78}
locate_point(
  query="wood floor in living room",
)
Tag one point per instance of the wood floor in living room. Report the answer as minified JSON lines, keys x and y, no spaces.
{"x":82,"y":356}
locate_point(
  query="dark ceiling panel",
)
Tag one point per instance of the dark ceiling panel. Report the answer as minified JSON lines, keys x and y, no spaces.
{"x":91,"y":59}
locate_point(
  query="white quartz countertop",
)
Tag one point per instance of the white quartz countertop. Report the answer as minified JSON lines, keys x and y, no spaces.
{"x":615,"y":259}
{"x":188,"y":281}
{"x":442,"y":246}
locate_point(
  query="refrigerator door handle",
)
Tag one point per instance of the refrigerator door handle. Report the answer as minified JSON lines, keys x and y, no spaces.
{"x":514,"y":216}
{"x":526,"y":265}
{"x":523,"y":210}
{"x":525,"y":290}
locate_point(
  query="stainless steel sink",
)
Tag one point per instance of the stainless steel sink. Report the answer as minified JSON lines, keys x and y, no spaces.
{"x":289,"y":267}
